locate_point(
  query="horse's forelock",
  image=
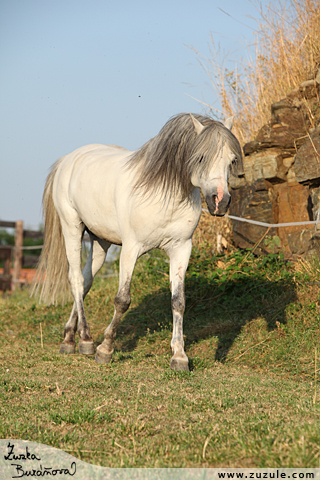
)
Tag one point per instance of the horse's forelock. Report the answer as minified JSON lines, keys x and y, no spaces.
{"x":208,"y":148}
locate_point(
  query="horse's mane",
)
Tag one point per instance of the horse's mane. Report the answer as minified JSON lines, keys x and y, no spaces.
{"x":166,"y":162}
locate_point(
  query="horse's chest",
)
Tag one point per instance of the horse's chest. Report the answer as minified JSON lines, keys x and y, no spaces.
{"x":157,"y":229}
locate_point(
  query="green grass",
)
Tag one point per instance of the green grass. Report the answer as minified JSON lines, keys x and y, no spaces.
{"x":250,"y":400}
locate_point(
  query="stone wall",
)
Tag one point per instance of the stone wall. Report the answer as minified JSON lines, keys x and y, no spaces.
{"x":282,"y":174}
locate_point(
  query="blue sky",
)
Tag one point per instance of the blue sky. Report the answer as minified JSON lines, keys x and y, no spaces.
{"x":75,"y":72}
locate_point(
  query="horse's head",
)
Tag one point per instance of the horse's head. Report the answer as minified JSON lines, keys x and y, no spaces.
{"x":213,"y":179}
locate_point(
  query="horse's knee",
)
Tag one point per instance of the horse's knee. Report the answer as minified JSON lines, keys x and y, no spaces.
{"x":122,"y":302}
{"x":178,"y":301}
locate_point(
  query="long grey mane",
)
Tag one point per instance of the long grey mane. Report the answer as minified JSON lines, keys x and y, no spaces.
{"x":166,"y":162}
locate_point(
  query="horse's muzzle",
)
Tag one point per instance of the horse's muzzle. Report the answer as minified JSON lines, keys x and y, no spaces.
{"x":216,"y":207}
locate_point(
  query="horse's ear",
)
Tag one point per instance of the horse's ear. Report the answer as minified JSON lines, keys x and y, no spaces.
{"x":197,"y":125}
{"x":229,"y":123}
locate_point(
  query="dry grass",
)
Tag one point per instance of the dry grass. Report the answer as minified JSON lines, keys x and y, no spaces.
{"x":310,"y":267}
{"x":208,"y":230}
{"x":287,"y":52}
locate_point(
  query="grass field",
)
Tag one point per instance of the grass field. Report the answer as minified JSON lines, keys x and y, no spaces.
{"x":250,"y":400}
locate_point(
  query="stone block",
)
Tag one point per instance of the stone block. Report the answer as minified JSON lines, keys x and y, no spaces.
{"x":286,"y":128}
{"x":307,"y":159}
{"x":253,"y":202}
{"x":314,"y":246}
{"x":291,"y":202}
{"x":267,"y":164}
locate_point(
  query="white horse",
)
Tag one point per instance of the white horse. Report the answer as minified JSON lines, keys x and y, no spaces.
{"x":141,"y":200}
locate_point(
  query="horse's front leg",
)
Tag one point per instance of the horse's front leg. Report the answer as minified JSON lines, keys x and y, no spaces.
{"x":179,"y":259}
{"x":128,"y":258}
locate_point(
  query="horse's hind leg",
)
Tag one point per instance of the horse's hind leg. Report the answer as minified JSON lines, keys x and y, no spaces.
{"x":179,"y":259}
{"x":128,"y":258}
{"x":72,"y":229}
{"x":95,"y":261}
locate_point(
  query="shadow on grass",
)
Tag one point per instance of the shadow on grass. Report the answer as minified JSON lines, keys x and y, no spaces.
{"x":212,"y":309}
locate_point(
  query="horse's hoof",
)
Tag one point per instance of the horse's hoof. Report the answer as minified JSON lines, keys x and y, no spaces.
{"x":103,"y":356}
{"x":67,"y":348}
{"x":179,"y":364}
{"x":86,"y":348}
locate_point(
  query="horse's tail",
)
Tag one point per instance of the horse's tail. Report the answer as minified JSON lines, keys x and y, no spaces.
{"x":51,"y":283}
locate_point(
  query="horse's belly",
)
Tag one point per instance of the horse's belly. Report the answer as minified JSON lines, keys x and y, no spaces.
{"x":105,"y":231}
{"x":100,"y":219}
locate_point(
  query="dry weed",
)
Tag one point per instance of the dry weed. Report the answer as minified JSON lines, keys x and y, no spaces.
{"x":213,"y":231}
{"x":308,"y":267}
{"x":287,"y":52}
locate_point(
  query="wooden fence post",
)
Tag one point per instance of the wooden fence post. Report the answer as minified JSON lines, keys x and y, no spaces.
{"x":18,"y":242}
